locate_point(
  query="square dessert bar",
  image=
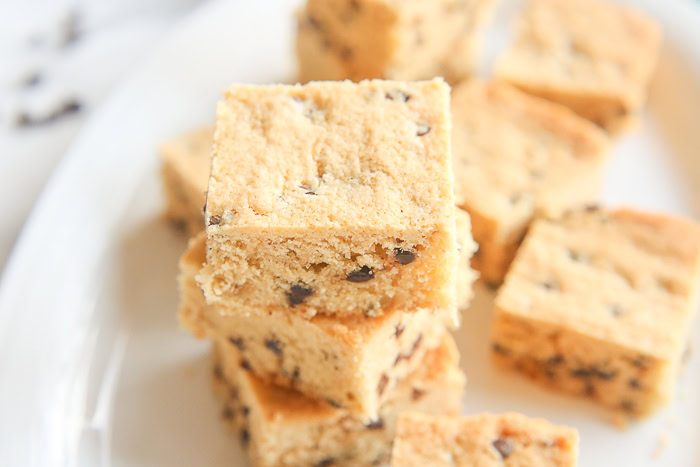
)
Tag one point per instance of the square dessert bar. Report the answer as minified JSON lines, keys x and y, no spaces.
{"x":185,"y":172}
{"x":389,"y":39}
{"x":283,"y":427}
{"x":592,"y":56}
{"x":351,"y":361}
{"x":600,"y":304}
{"x":518,"y":157}
{"x":485,"y":440}
{"x":332,"y":197}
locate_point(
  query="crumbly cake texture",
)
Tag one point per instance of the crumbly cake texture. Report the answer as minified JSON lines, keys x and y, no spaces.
{"x":484,"y":440}
{"x":592,"y":56}
{"x":282,"y":427}
{"x":352,"y":361}
{"x":518,"y":157}
{"x":185,"y":164}
{"x":389,"y":39}
{"x":600,"y":304}
{"x":332,"y":197}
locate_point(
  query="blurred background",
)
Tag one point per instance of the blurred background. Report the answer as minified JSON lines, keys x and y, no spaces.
{"x":58,"y":60}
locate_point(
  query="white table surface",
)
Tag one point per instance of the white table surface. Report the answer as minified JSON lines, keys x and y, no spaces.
{"x":113,"y":37}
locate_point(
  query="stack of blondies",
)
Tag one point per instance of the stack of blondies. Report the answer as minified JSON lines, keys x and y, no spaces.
{"x":332,"y":264}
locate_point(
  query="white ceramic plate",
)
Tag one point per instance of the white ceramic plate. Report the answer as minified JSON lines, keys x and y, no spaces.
{"x":93,"y":368}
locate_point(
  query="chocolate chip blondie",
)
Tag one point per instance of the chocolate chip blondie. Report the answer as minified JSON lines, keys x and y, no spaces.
{"x":600,"y":304}
{"x":518,"y":157}
{"x":185,"y":172}
{"x":484,"y":440}
{"x":592,"y":56}
{"x":351,"y":361}
{"x":333,"y":198}
{"x":363,"y":39}
{"x":282,"y":427}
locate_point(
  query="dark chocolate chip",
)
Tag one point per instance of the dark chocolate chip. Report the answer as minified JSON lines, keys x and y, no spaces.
{"x":363,"y":274}
{"x":422,"y":129}
{"x":500,"y":349}
{"x":604,"y":374}
{"x":298,"y":293}
{"x":634,"y":383}
{"x":326,"y":462}
{"x":245,"y":437}
{"x":214,"y":220}
{"x":334,"y":403}
{"x":295,"y":375}
{"x":375,"y":424}
{"x":238,"y":342}
{"x":245,"y":364}
{"x":396,"y":94}
{"x":228,"y":413}
{"x":582,"y":373}
{"x":383,"y":381}
{"x":417,"y":394}
{"x":245,"y":410}
{"x":504,"y":446}
{"x":556,"y":359}
{"x":399,"y":330}
{"x":274,"y":345}
{"x":404,"y":256}
{"x":346,"y":53}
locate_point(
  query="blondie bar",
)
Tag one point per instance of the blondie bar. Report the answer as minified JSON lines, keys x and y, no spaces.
{"x":332,"y":197}
{"x":352,"y":361}
{"x":484,"y":440}
{"x":600,"y":304}
{"x":518,"y":157}
{"x":590,"y":55}
{"x":389,"y":39}
{"x":185,"y":172}
{"x":282,"y":427}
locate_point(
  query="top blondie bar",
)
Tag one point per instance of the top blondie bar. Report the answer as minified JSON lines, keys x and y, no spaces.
{"x":332,"y":197}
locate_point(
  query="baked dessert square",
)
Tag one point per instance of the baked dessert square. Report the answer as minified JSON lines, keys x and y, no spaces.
{"x":593,"y":56}
{"x":282,"y":427}
{"x":600,"y":304}
{"x":333,"y":198}
{"x":484,"y":440}
{"x":185,"y":164}
{"x":351,"y":361}
{"x":516,"y":158}
{"x":387,"y":39}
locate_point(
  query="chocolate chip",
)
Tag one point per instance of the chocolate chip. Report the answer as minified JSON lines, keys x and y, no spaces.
{"x":313,"y":22}
{"x":346,"y":53}
{"x":417,"y":394}
{"x":422,"y":129}
{"x":404,"y":256}
{"x":640,"y":362}
{"x":245,"y":410}
{"x":238,"y":342}
{"x":500,"y":349}
{"x":214,"y":220}
{"x":298,"y":293}
{"x":363,"y":274}
{"x":375,"y":424}
{"x":295,"y":375}
{"x":245,"y":364}
{"x":556,"y":359}
{"x":504,"y":446}
{"x":383,"y":381}
{"x":582,"y":373}
{"x":245,"y":437}
{"x":604,"y":374}
{"x":398,"y":95}
{"x":334,"y":403}
{"x":273,"y":344}
{"x":228,"y":413}
{"x":634,"y":383}
{"x":399,"y":330}
{"x":326,"y":462}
